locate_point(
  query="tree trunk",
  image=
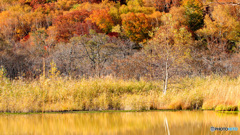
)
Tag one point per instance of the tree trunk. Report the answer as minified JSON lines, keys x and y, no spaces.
{"x":166,"y":78}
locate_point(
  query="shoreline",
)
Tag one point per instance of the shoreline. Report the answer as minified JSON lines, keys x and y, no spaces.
{"x":112,"y":111}
{"x":62,"y":95}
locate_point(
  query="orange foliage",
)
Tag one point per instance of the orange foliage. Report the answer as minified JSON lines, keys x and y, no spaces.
{"x":13,"y":26}
{"x":155,"y":18}
{"x":103,"y":19}
{"x":136,"y":26}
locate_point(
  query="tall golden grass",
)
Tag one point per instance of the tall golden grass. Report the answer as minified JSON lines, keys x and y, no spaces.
{"x":66,"y":94}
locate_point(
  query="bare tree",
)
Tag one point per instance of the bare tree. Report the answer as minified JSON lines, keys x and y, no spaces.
{"x":168,"y":51}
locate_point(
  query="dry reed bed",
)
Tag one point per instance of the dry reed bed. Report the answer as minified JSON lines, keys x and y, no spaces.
{"x":59,"y":94}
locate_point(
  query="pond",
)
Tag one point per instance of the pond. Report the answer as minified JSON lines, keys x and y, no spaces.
{"x":152,"y":122}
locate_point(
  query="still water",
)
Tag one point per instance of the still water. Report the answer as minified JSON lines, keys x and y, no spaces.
{"x":146,"y":123}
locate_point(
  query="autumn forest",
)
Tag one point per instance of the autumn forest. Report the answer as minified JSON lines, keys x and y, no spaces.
{"x":61,"y":53}
{"x":125,"y":39}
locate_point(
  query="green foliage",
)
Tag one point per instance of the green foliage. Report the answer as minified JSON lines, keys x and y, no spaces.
{"x":194,"y":14}
{"x":226,"y":108}
{"x":75,"y":6}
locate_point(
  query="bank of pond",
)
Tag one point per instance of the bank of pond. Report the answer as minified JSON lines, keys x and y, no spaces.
{"x":66,"y":94}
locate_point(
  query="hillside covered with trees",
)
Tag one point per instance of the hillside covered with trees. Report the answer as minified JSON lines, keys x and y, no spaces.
{"x":64,"y":55}
{"x":133,"y":39}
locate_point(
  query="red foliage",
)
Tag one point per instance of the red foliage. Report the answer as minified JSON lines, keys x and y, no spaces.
{"x":91,"y":1}
{"x":26,"y":38}
{"x":44,"y":8}
{"x":36,"y":2}
{"x":113,"y":34}
{"x":46,"y":48}
{"x":73,"y":23}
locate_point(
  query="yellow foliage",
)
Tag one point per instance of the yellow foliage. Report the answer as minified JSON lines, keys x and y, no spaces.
{"x":224,"y":25}
{"x":54,"y":73}
{"x":136,"y":6}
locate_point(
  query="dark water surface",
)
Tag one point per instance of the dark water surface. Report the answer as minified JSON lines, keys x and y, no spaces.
{"x":146,"y":123}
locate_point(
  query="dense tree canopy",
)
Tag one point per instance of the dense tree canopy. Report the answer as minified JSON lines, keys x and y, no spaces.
{"x":200,"y":36}
{"x":136,"y":26}
{"x":103,"y":19}
{"x":73,"y":23}
{"x":194,"y":14}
